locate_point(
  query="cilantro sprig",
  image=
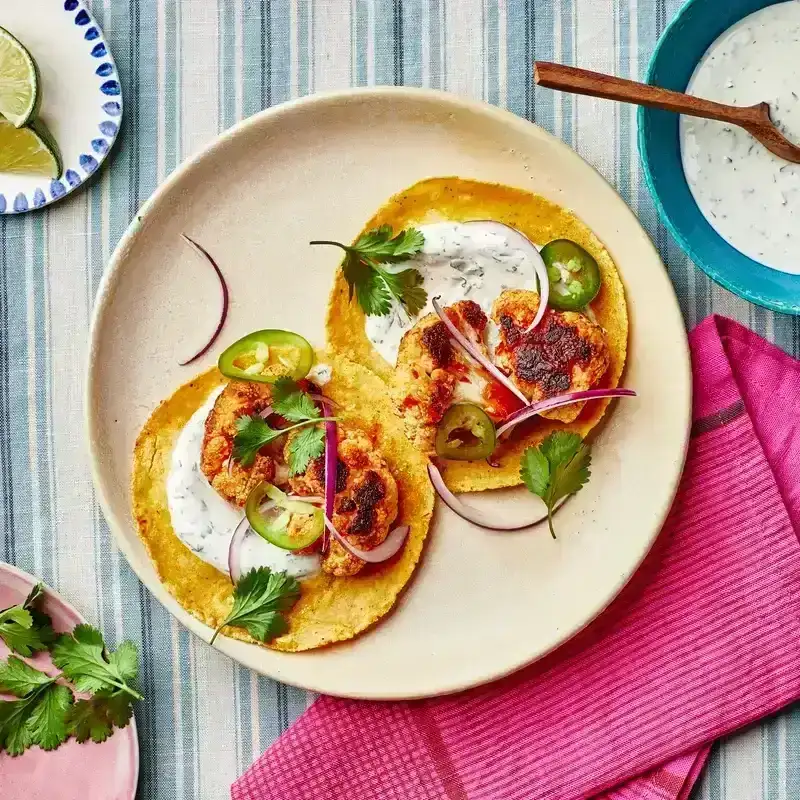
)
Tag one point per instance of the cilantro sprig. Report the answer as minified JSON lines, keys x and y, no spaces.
{"x":294,"y":405}
{"x":375,"y":287}
{"x":259,"y":600}
{"x":555,"y":469}
{"x":45,"y":711}
{"x":25,"y":628}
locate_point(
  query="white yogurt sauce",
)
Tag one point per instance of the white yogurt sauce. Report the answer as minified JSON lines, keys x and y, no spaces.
{"x":457,"y":262}
{"x":204,"y":522}
{"x":748,"y":195}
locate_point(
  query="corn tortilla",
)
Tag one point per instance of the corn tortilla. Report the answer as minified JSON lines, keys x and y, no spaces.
{"x":330,"y":609}
{"x":440,"y":199}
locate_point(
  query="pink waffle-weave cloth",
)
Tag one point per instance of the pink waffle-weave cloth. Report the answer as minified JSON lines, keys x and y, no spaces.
{"x":704,"y":640}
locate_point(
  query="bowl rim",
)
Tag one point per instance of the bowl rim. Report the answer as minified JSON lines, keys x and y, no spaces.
{"x":642,"y":116}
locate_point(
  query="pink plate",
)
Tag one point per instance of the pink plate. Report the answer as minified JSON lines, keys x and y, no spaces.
{"x":107,"y":771}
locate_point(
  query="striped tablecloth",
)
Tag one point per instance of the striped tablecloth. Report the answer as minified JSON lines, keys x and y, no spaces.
{"x":191,"y":68}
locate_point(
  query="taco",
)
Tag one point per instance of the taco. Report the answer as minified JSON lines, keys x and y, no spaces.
{"x":199,"y":465}
{"x":459,"y":368}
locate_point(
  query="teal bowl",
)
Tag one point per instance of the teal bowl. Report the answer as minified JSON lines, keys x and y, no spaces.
{"x":677,"y":53}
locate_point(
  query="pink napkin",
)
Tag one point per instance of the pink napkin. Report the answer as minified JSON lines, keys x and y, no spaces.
{"x":705,"y":639}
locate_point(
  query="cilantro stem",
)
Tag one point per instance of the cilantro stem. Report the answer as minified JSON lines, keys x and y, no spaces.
{"x":550,"y":521}
{"x":335,"y":244}
{"x":125,"y":688}
{"x":216,"y":632}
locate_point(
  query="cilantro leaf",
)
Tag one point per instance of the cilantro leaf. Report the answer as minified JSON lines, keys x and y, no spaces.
{"x":17,"y":677}
{"x":556,"y":469}
{"x":292,"y":403}
{"x":306,"y":446}
{"x":47,"y":722}
{"x":535,"y":471}
{"x":24,"y":628}
{"x":381,"y":246}
{"x":253,"y":433}
{"x":97,"y":717}
{"x":371,"y":291}
{"x":375,"y":288}
{"x":84,"y":660}
{"x":259,"y":598}
{"x":38,"y":718}
{"x":406,"y":287}
{"x":560,"y":446}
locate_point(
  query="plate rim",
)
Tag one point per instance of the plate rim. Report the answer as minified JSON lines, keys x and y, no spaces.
{"x":105,"y":294}
{"x":70,"y":185}
{"x":31,"y":580}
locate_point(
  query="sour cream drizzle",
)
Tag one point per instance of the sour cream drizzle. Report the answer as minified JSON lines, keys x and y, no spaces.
{"x":748,"y":195}
{"x":204,"y":522}
{"x":457,"y":262}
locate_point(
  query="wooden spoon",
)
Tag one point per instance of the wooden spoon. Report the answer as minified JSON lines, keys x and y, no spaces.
{"x":754,"y":119}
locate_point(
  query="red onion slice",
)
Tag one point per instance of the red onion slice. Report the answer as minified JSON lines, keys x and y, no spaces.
{"x":383,"y":552}
{"x":235,"y":548}
{"x":473,"y":515}
{"x":266,"y":412}
{"x":520,"y":241}
{"x":225,"y":299}
{"x":320,"y":398}
{"x":557,"y":402}
{"x":474,"y":353}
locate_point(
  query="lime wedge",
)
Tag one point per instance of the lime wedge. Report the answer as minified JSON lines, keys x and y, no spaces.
{"x":23,"y":151}
{"x":19,"y":81}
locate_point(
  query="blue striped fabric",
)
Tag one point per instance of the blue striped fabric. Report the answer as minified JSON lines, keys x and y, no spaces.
{"x":191,"y":68}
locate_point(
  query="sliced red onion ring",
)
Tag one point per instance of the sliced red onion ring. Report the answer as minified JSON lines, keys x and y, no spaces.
{"x":480,"y":518}
{"x":235,"y":548}
{"x":557,"y":402}
{"x":520,"y":241}
{"x":474,"y":353}
{"x":384,"y":551}
{"x":320,"y":398}
{"x":225,"y":299}
{"x":331,"y":468}
{"x":266,"y":412}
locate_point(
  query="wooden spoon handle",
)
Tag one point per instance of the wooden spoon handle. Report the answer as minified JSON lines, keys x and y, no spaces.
{"x":596,"y":84}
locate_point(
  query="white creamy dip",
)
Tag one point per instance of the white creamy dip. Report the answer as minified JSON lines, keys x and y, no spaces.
{"x":204,"y":522}
{"x":748,"y":195}
{"x":457,"y":262}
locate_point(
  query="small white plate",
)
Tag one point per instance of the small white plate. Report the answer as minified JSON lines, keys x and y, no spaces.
{"x":81,"y":95}
{"x":482,"y":603}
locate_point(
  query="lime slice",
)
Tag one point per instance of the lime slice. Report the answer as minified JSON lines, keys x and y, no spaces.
{"x":19,"y":81}
{"x":23,"y":151}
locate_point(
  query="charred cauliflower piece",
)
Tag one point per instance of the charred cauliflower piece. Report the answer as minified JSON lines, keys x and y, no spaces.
{"x":234,"y":483}
{"x":566,"y":352}
{"x":430,"y":370}
{"x":365,"y":505}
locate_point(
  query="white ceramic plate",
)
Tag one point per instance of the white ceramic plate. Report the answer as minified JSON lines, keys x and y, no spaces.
{"x":482,"y":604}
{"x":81,"y":95}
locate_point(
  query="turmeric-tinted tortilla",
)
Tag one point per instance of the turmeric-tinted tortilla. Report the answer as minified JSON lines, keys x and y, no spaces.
{"x":440,"y":199}
{"x":330,"y":609}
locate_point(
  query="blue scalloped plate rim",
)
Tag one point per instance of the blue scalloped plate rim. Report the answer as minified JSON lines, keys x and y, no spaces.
{"x":671,"y":67}
{"x":109,"y":96}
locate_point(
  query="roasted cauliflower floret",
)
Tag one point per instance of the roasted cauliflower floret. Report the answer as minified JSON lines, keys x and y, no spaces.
{"x":234,"y":482}
{"x":365,"y":505}
{"x":566,"y":352}
{"x":430,"y":369}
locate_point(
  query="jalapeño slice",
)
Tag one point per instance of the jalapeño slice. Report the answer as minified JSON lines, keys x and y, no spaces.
{"x":265,"y":356}
{"x":574,"y":275}
{"x":466,"y":433}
